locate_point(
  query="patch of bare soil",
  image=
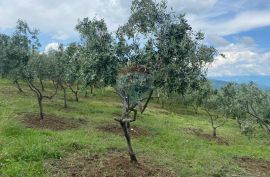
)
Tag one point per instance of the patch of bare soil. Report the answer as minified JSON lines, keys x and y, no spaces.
{"x":117,"y":129}
{"x":199,"y":132}
{"x":256,"y":167}
{"x":191,"y":130}
{"x":110,"y":165}
{"x":51,"y":122}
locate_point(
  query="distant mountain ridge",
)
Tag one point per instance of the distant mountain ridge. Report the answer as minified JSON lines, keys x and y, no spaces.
{"x":263,"y":82}
{"x":217,"y":84}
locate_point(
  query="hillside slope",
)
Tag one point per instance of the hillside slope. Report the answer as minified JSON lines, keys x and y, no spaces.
{"x":84,"y":140}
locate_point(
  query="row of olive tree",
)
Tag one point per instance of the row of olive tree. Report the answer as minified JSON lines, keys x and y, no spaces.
{"x":245,"y":103}
{"x":72,"y":67}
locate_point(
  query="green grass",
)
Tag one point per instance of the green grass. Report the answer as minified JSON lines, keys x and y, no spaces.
{"x":23,"y":151}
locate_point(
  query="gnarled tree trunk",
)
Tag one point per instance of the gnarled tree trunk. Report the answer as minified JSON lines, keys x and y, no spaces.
{"x":65,"y":97}
{"x":125,"y":120}
{"x":214,"y":132}
{"x":75,"y":92}
{"x":42,"y":86}
{"x":91,"y":89}
{"x":76,"y":96}
{"x":40,"y":97}
{"x":132,"y":155}
{"x":18,"y":86}
{"x":41,"y":115}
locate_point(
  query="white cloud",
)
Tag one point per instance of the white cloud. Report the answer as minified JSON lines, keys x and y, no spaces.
{"x":52,"y":46}
{"x":60,"y":17}
{"x":192,"y":6}
{"x":240,"y":60}
{"x":217,"y":40}
{"x":246,"y":40}
{"x":60,"y":35}
{"x":244,"y":21}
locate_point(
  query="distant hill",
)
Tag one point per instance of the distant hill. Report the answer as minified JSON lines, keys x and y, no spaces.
{"x":217,"y":84}
{"x":263,"y":82}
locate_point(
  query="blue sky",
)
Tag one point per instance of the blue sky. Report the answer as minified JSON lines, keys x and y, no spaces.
{"x":237,"y":28}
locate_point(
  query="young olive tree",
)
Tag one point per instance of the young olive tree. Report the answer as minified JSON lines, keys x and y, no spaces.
{"x":74,"y":69}
{"x":60,"y":60}
{"x":156,"y":49}
{"x":236,"y":110}
{"x":194,"y":97}
{"x":217,"y":108}
{"x":255,"y":103}
{"x":31,"y":75}
{"x":27,"y":63}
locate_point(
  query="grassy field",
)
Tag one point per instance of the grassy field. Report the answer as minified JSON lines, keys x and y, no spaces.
{"x":171,"y":142}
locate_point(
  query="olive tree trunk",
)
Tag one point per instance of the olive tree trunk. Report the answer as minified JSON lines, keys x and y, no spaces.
{"x":40,"y":97}
{"x":76,"y":96}
{"x":42,"y":86}
{"x":75,"y":92}
{"x":18,"y":86}
{"x":65,"y":97}
{"x":41,"y":115}
{"x":91,"y":89}
{"x":214,"y":132}
{"x":125,"y":119}
{"x":132,"y":155}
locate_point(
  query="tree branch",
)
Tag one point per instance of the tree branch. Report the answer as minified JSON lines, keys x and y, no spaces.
{"x":145,"y":105}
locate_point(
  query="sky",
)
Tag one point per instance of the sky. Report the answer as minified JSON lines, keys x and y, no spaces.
{"x":239,"y":29}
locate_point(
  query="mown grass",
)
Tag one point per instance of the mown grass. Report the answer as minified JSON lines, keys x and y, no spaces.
{"x":24,"y":151}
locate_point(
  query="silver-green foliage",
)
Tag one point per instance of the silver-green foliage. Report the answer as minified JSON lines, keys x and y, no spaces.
{"x":135,"y":84}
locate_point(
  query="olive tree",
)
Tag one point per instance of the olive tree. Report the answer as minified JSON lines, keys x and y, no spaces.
{"x":248,"y":105}
{"x":236,"y":109}
{"x":194,"y":97}
{"x":255,"y":102}
{"x":23,"y":42}
{"x":156,"y":49}
{"x":74,"y":69}
{"x":60,"y":61}
{"x":217,"y":108}
{"x":5,"y":43}
{"x":98,"y":61}
{"x":31,"y":75}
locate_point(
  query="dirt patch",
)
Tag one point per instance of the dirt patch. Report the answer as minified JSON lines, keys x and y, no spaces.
{"x":193,"y":131}
{"x":199,"y":132}
{"x":116,"y":129}
{"x":108,"y":165}
{"x":218,"y":140}
{"x":51,"y":122}
{"x":256,"y":167}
